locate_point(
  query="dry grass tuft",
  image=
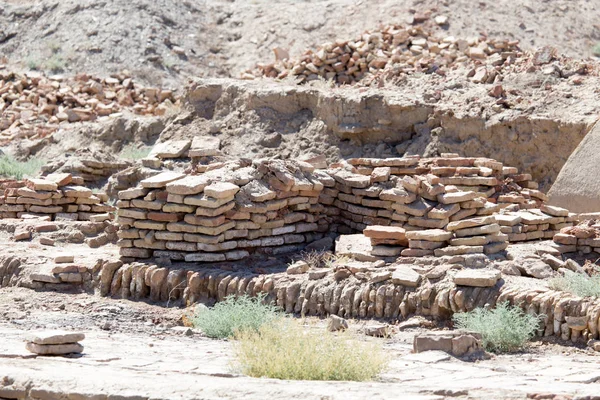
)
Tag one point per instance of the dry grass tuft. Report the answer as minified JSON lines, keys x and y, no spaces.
{"x":285,"y":350}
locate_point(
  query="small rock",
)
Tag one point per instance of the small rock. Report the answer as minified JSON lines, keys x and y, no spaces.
{"x":299,"y":267}
{"x":377,"y":330}
{"x":406,"y":276}
{"x":577,"y":323}
{"x":441,"y":20}
{"x":182,"y":330}
{"x":46,"y":241}
{"x":21,"y":235}
{"x":336,"y":323}
{"x":380,"y":276}
{"x":64,"y":258}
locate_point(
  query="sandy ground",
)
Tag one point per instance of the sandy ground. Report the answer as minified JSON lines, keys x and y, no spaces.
{"x":140,"y":351}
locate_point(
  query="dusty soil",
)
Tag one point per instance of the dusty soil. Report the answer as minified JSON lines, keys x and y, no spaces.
{"x":165,"y":42}
{"x":135,"y":349}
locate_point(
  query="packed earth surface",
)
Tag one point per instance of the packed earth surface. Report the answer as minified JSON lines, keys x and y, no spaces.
{"x":379,"y":166}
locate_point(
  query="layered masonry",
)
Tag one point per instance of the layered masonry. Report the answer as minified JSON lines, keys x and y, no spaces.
{"x":270,"y":207}
{"x":54,"y":197}
{"x":408,"y":206}
{"x":584,"y":238}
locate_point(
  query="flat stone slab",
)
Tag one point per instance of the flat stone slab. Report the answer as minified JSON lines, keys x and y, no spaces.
{"x":41,"y":184}
{"x":477,"y":277}
{"x":458,"y":342}
{"x":55,"y":337}
{"x":221,"y":190}
{"x":471,"y":222}
{"x":191,"y":184}
{"x":171,"y":149}
{"x":385,"y":232}
{"x":204,"y":146}
{"x":54,"y":349}
{"x":355,"y":246}
{"x":161,"y":180}
{"x":478,"y":230}
{"x":406,"y":276}
{"x":432,"y":235}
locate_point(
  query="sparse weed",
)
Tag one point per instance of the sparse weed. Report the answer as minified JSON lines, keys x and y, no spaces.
{"x":285,"y":350}
{"x":596,"y":50}
{"x":236,"y":315}
{"x":323,"y":259}
{"x":133,"y":153}
{"x":55,"y":63}
{"x":503,"y":329}
{"x":579,"y":284}
{"x":11,"y":168}
{"x":33,"y":63}
{"x":53,"y":46}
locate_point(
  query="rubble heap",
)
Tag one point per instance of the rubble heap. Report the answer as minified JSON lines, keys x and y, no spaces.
{"x":33,"y":105}
{"x":237,"y":208}
{"x":397,"y":49}
{"x":584,"y":237}
{"x":55,"y":197}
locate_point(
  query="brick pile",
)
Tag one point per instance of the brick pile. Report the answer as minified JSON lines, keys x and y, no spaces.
{"x":532,"y":224}
{"x":56,"y":197}
{"x":92,"y":166}
{"x":584,"y":238}
{"x":224,"y":214}
{"x":398,"y":49}
{"x":234,"y":209}
{"x":33,"y":105}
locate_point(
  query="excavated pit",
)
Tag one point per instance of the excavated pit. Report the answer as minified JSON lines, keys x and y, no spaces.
{"x":267,"y":119}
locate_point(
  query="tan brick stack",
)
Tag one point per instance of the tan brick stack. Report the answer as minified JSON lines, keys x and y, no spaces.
{"x":225,"y":214}
{"x":234,"y":209}
{"x":91,"y":169}
{"x":475,"y":235}
{"x":534,"y":224}
{"x":584,"y":238}
{"x":58,"y":197}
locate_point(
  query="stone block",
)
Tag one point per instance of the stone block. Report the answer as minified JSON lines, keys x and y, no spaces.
{"x":432,"y":235}
{"x":160,"y":180}
{"x":477,"y":277}
{"x":404,"y":275}
{"x":54,"y":349}
{"x":204,"y":146}
{"x":470,"y":223}
{"x":170,"y":149}
{"x":190,"y":185}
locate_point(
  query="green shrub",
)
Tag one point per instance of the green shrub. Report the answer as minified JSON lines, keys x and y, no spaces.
{"x":579,"y":284}
{"x":11,"y":168}
{"x":234,"y":315}
{"x":132,"y":152}
{"x":285,"y":350}
{"x":504,"y":328}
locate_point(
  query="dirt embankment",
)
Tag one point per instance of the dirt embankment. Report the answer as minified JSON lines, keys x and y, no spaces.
{"x":266,"y":119}
{"x":167,"y":41}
